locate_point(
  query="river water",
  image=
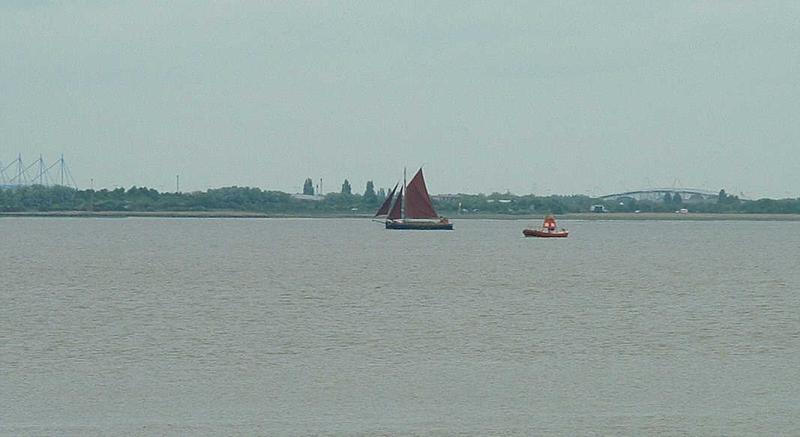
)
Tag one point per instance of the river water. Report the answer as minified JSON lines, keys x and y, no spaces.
{"x":339,"y":327}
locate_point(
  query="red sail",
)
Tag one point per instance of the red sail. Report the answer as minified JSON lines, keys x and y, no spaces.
{"x":395,"y":213}
{"x":418,"y":202}
{"x":384,"y":209}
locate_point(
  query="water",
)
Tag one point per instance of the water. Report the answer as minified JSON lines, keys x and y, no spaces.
{"x":339,"y":327}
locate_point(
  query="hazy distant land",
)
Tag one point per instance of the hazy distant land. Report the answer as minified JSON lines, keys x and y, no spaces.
{"x":245,"y":202}
{"x":485,"y":216}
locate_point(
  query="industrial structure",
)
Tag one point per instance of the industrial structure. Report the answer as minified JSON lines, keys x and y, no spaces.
{"x":17,"y":173}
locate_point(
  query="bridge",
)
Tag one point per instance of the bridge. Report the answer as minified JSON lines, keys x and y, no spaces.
{"x":657,"y":194}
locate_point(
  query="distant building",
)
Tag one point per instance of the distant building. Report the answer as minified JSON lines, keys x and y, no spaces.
{"x":498,"y":200}
{"x":598,"y":208}
{"x":445,"y":197}
{"x":310,"y":197}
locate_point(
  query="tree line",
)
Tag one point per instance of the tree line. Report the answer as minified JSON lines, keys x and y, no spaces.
{"x":59,"y":198}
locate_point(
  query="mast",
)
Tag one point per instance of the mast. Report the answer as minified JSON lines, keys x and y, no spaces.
{"x":403,"y":204}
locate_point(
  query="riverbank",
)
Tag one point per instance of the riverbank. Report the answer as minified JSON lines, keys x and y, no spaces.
{"x":688,"y":216}
{"x":662,"y":216}
{"x":251,"y":215}
{"x":166,"y":214}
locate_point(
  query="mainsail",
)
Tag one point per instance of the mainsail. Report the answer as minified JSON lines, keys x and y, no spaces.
{"x":418,"y":202}
{"x":397,"y":208}
{"x":384,"y":209}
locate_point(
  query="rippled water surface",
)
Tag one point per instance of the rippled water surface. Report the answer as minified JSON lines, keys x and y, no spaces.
{"x":339,"y":327}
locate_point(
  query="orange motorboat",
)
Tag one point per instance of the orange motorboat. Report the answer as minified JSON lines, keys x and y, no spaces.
{"x":549,"y":229}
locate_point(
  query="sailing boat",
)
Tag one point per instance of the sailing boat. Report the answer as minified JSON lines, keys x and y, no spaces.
{"x":411,"y":208}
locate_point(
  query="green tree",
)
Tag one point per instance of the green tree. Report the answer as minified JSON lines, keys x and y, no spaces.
{"x":667,"y":198}
{"x":369,"y":194}
{"x":726,"y":199}
{"x":346,"y":188}
{"x":677,"y":199}
{"x":308,"y":187}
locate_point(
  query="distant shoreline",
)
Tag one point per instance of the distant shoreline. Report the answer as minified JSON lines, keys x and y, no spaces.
{"x":251,"y":215}
{"x":675,"y":216}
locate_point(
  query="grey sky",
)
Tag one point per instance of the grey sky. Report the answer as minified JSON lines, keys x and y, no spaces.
{"x":550,"y":97}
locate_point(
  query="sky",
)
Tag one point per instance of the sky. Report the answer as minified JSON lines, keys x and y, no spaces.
{"x":559,"y":97}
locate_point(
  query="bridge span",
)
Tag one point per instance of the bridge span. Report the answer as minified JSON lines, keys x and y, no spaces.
{"x":658,"y":194}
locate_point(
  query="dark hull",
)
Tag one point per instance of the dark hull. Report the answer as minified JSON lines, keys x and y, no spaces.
{"x":420,"y":226}
{"x":545,"y":234}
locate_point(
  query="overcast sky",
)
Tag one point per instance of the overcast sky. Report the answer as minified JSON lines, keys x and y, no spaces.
{"x":584,"y":97}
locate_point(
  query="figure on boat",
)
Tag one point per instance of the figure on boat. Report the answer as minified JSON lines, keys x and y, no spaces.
{"x":412,"y":208}
{"x":549,"y":229}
